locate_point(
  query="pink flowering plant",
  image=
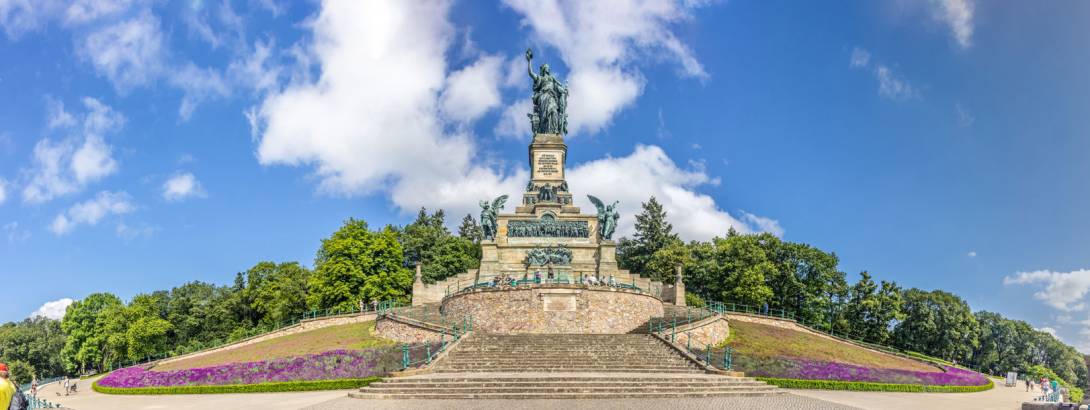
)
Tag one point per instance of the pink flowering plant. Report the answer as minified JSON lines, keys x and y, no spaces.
{"x":797,"y":368}
{"x":331,"y":365}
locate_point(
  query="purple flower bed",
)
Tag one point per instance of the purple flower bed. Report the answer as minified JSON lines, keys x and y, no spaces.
{"x":336,"y":364}
{"x":794,"y":368}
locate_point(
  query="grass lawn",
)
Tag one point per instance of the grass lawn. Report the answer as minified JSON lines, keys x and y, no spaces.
{"x":351,"y":336}
{"x":757,"y":340}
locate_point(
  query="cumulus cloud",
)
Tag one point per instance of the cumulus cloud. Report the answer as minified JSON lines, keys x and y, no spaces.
{"x":472,"y":91}
{"x":890,"y":84}
{"x":958,"y":16}
{"x":54,"y":309}
{"x":182,"y":186}
{"x":128,"y":53}
{"x":647,"y":172}
{"x":385,"y":59}
{"x":67,"y":165}
{"x":601,"y":42}
{"x":1064,"y":291}
{"x":91,"y":211}
{"x":971,"y":254}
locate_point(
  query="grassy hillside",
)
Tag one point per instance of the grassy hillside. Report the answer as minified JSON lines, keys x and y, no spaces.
{"x":348,"y":337}
{"x":770,"y":351}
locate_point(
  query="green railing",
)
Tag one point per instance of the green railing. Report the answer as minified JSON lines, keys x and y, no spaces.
{"x":667,"y":325}
{"x":561,"y":278}
{"x":37,"y":403}
{"x":422,"y":354}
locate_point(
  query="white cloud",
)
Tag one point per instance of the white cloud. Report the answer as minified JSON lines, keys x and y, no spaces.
{"x":58,"y":117}
{"x":965,"y":118}
{"x":127,"y":232}
{"x":473,"y":90}
{"x":647,"y":172}
{"x":1064,"y":291}
{"x":83,"y":11}
{"x":387,"y":59}
{"x":3,"y":190}
{"x":22,"y":16}
{"x":601,"y":42}
{"x":69,"y":164}
{"x":890,"y":84}
{"x":514,"y":122}
{"x":91,"y":211}
{"x":958,"y":15}
{"x":182,"y":186}
{"x":198,"y":85}
{"x":128,"y":53}
{"x":16,"y":234}
{"x":971,"y":254}
{"x":255,"y":70}
{"x":1048,"y":330}
{"x":860,"y":57}
{"x":763,"y":224}
{"x":371,"y":121}
{"x":53,"y":310}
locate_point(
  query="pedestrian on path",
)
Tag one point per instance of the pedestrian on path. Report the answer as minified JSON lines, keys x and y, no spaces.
{"x":65,"y":385}
{"x":10,"y":396}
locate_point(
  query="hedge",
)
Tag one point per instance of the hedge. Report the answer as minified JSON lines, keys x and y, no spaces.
{"x":307,"y":385}
{"x":868,"y":386}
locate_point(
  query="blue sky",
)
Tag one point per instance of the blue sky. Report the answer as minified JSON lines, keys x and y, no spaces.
{"x":940,"y":144}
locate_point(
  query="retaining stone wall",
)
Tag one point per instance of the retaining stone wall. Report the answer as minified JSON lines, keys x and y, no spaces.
{"x":709,"y":331}
{"x":405,"y":332}
{"x":554,"y":309}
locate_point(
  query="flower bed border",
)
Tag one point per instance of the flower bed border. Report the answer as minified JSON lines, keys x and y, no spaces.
{"x":295,"y":386}
{"x":870,"y":386}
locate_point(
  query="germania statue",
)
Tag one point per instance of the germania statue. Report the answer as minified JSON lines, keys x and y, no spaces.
{"x":489,"y":211}
{"x":550,"y":114}
{"x":607,"y":217}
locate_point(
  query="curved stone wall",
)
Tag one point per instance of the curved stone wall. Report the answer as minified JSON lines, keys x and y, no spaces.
{"x":554,"y":309}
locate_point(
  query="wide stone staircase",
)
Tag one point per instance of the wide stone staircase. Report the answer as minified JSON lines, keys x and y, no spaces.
{"x":563,"y":366}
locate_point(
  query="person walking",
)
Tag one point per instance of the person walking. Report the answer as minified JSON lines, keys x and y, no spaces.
{"x":10,"y":396}
{"x":34,"y":387}
{"x":65,"y":385}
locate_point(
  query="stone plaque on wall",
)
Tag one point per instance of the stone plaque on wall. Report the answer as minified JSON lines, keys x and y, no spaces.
{"x":560,"y":300}
{"x":548,"y":165}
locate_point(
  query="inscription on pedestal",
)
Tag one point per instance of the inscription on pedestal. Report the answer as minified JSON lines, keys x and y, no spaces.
{"x":559,"y":303}
{"x":548,"y":165}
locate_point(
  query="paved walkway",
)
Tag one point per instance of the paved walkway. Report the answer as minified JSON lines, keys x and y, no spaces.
{"x":1002,"y":398}
{"x":786,"y":401}
{"x":87,"y":399}
{"x":999,"y":398}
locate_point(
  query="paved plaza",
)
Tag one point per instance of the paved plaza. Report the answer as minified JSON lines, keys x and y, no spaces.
{"x":998,"y":398}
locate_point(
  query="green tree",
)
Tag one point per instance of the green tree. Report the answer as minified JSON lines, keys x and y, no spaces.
{"x":276,"y":293}
{"x":653,"y":232}
{"x":937,"y":323}
{"x":37,"y":342}
{"x":148,"y":336}
{"x":428,"y":242}
{"x":662,"y":266}
{"x":470,"y":229}
{"x":357,"y":264}
{"x":85,"y":322}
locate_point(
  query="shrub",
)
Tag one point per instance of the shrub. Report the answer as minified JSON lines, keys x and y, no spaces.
{"x":803,"y":369}
{"x":694,"y":300}
{"x":868,"y":386}
{"x":332,"y":365}
{"x":308,"y":385}
{"x":1036,"y":372}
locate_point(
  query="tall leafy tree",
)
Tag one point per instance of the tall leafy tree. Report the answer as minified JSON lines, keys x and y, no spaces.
{"x":36,"y":342}
{"x":276,"y":293}
{"x":86,"y":324}
{"x":662,"y":266}
{"x":358,"y":264}
{"x":470,"y":229}
{"x":428,"y":242}
{"x":937,"y":323}
{"x":653,"y":232}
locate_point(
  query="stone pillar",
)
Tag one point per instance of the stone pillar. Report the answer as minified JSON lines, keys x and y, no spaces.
{"x":418,"y":287}
{"x":607,"y":259}
{"x":679,"y":287}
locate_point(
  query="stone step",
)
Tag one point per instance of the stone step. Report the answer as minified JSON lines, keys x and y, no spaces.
{"x":567,"y":389}
{"x":558,"y":396}
{"x":575,"y":383}
{"x":563,"y":370}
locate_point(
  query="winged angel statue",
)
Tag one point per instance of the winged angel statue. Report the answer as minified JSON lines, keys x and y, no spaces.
{"x":488,"y":216}
{"x":607,"y":217}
